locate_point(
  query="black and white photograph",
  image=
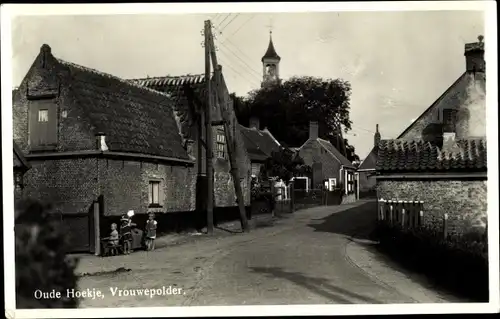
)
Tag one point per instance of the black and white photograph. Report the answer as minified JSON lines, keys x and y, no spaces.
{"x":316,"y":159}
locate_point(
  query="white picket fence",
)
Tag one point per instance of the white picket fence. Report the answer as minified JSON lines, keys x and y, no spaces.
{"x":408,"y":214}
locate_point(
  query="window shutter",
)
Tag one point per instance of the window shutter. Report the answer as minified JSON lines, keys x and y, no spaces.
{"x":162,"y":194}
{"x":150,"y":192}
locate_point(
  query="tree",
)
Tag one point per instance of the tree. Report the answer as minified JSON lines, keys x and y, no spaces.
{"x":287,"y":108}
{"x":40,"y":257}
{"x":284,"y":164}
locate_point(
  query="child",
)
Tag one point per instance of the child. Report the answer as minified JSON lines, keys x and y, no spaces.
{"x":126,"y":235}
{"x":114,"y":238}
{"x":151,"y":225}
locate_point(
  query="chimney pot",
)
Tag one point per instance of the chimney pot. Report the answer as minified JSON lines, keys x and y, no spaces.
{"x":474,"y":56}
{"x":101,"y":141}
{"x":313,"y":130}
{"x":377,"y":136}
{"x":190,"y":148}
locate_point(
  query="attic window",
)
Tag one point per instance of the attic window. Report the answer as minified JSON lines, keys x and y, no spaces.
{"x":449,"y":119}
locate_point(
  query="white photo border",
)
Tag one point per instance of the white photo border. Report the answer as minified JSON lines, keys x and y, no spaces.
{"x":9,"y":11}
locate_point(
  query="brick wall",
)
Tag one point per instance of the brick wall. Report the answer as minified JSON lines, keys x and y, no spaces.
{"x":70,"y":184}
{"x":313,"y":152}
{"x":465,"y":202}
{"x":125,"y":186}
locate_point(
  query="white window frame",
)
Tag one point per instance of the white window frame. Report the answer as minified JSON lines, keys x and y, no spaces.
{"x":151,"y":192}
{"x":43,"y":116}
{"x":332,"y":183}
{"x":220,"y":145}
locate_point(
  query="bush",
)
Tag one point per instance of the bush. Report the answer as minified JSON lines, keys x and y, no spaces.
{"x":40,"y":257}
{"x":455,"y":263}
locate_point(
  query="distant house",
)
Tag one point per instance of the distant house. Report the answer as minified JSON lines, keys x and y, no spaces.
{"x":260,"y":144}
{"x":21,"y":166}
{"x":440,"y":158}
{"x":189,"y":100}
{"x":99,"y":146}
{"x":366,"y":169}
{"x":329,"y":166}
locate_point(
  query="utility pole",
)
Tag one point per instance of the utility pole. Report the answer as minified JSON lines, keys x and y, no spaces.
{"x":222,"y":102}
{"x":208,"y":133}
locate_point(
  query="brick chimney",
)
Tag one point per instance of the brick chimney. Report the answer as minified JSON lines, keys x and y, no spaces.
{"x":376,"y":137}
{"x":474,"y":56}
{"x":254,"y":122}
{"x":313,"y":130}
{"x":101,"y":141}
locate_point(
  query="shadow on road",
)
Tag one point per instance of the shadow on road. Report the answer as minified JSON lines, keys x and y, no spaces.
{"x":319,"y":286}
{"x":358,"y":222}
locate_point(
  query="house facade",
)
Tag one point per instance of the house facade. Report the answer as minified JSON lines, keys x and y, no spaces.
{"x":440,"y":158}
{"x":329,"y":167}
{"x":190,"y":99}
{"x":100,"y":146}
{"x":260,"y":144}
{"x":367,"y":168}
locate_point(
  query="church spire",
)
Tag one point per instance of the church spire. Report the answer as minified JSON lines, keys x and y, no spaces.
{"x":271,"y":51}
{"x":270,"y":64}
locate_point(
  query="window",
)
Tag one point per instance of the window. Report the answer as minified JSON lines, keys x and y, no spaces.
{"x":154,"y":193}
{"x":221,"y":145}
{"x":43,"y":115}
{"x":332,"y":183}
{"x":449,"y":119}
{"x":43,"y":126}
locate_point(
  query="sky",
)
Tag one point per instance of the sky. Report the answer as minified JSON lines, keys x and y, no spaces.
{"x":398,"y":63}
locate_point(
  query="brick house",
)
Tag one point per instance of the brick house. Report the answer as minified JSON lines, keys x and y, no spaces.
{"x":260,"y":144}
{"x":21,"y":166}
{"x":367,"y":168}
{"x":190,"y":98}
{"x":99,"y":146}
{"x":440,"y":158}
{"x":329,"y":166}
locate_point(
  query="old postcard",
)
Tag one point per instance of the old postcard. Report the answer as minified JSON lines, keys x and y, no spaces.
{"x":301,"y":158}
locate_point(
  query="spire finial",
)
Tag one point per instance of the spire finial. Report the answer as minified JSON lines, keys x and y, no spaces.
{"x":480,"y":38}
{"x":270,"y":26}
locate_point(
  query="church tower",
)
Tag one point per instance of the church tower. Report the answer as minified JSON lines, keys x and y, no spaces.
{"x":270,"y":64}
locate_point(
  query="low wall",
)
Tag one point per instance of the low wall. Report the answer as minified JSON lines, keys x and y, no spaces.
{"x":464,"y":201}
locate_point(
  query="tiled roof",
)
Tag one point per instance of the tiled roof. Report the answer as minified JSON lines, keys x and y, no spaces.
{"x":134,"y":118}
{"x":167,"y":81}
{"x":419,"y":156}
{"x":370,"y":162}
{"x":180,"y":88}
{"x":334,"y":152}
{"x":259,"y":143}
